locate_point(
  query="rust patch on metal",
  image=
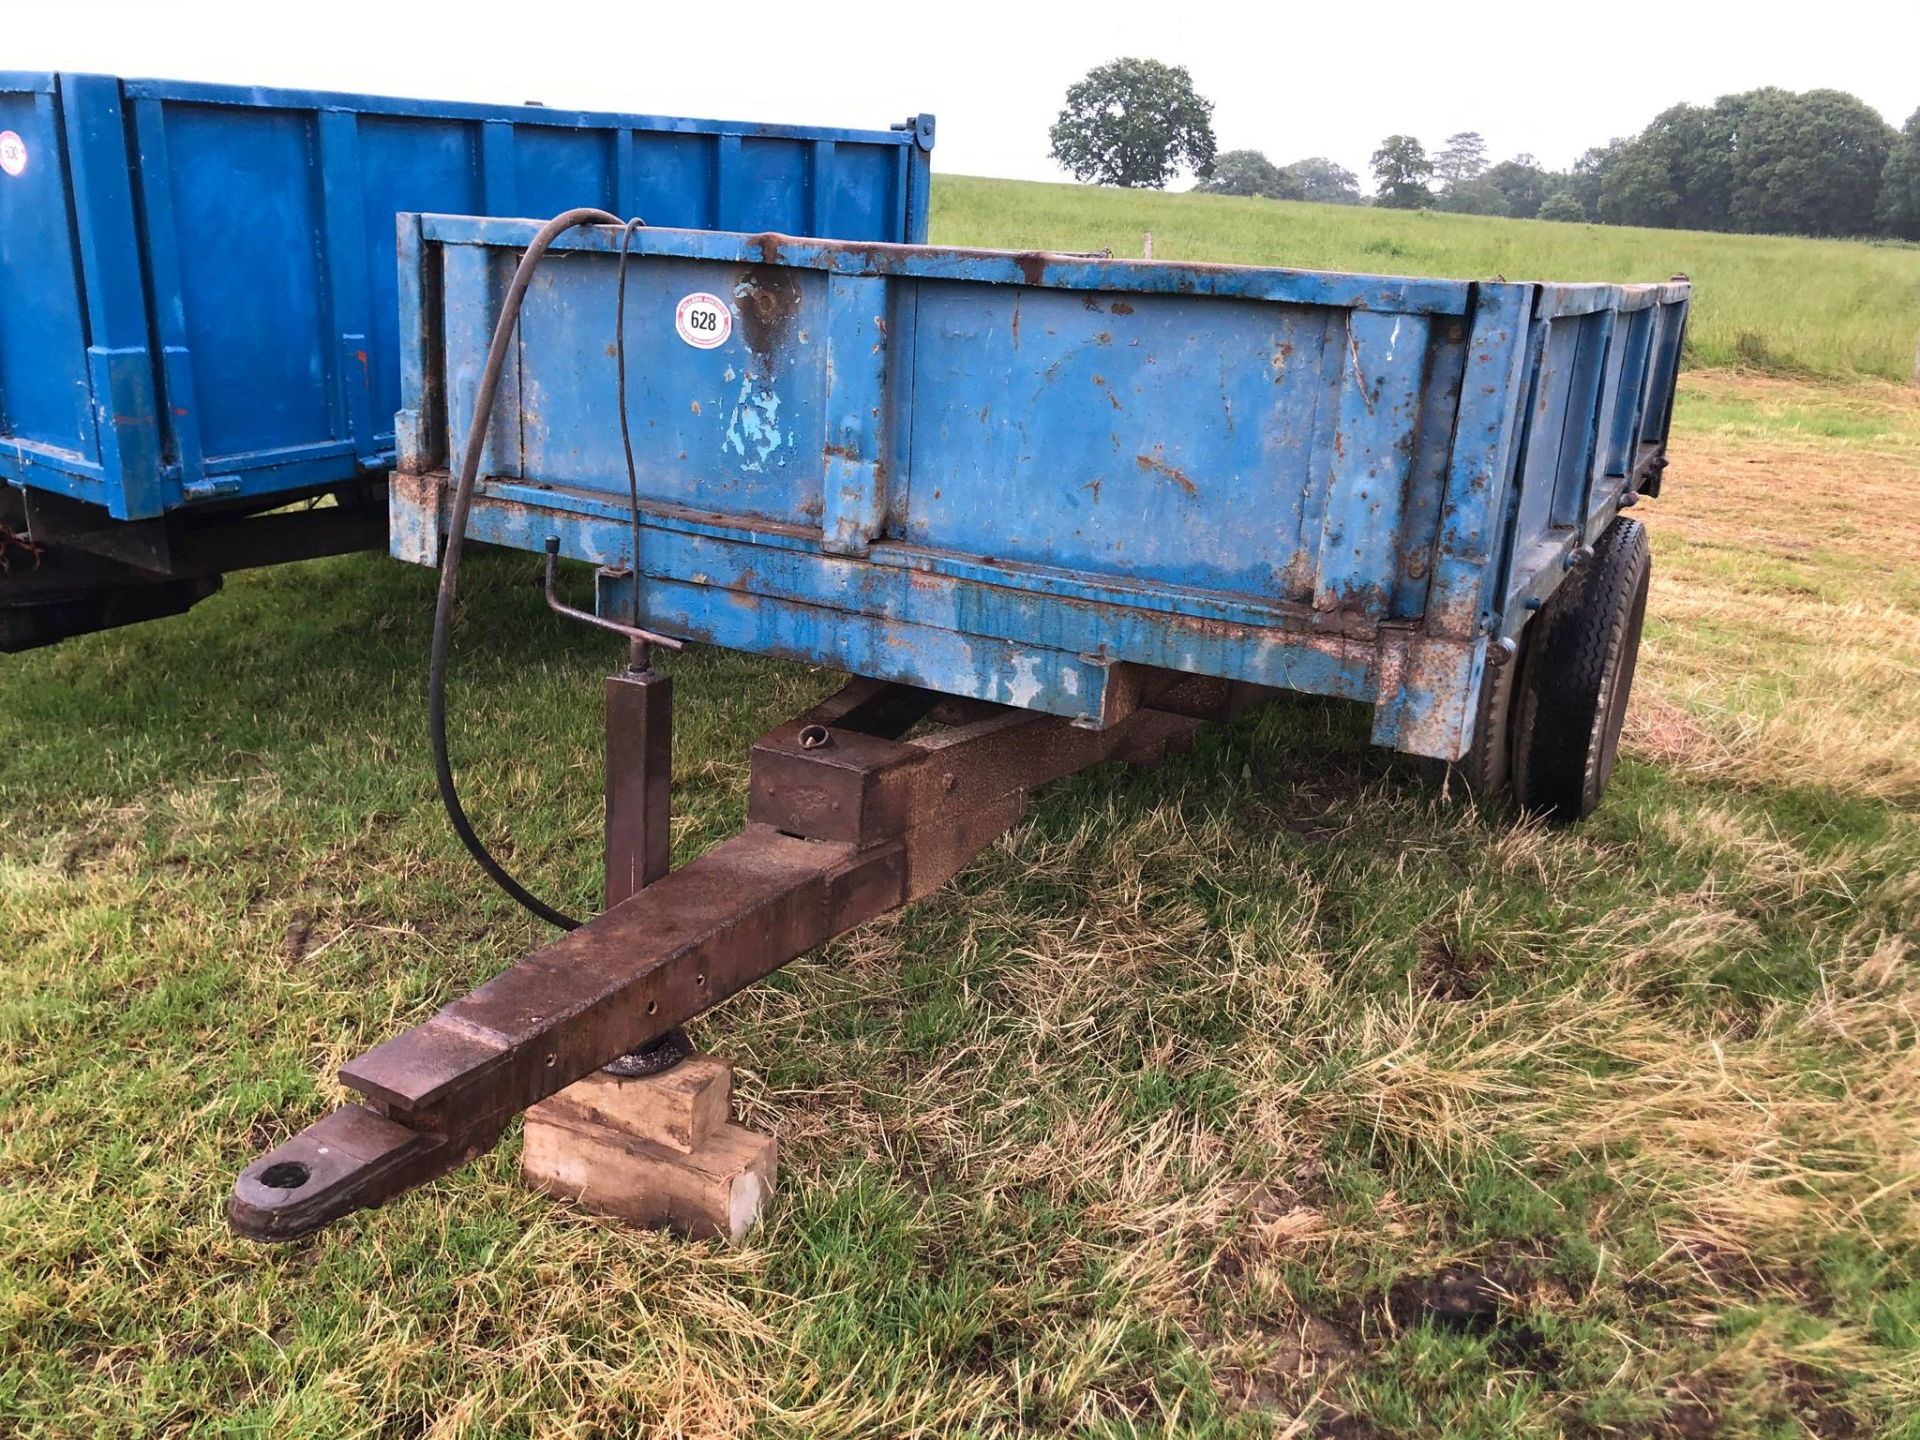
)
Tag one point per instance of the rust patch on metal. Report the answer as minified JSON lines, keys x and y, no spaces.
{"x":1359,"y":375}
{"x":1033,"y":266}
{"x":766,"y":298}
{"x":1154,"y":465}
{"x":1121,"y":307}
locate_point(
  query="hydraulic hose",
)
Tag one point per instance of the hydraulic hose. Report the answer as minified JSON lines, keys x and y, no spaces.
{"x":620,"y":374}
{"x":450,"y":563}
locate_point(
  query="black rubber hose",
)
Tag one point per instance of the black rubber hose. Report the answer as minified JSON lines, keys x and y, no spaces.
{"x":620,"y":371}
{"x":450,"y":563}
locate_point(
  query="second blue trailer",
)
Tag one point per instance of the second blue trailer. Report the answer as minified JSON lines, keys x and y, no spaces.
{"x":198,"y":301}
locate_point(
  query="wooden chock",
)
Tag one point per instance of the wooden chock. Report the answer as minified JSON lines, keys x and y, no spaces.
{"x":658,"y":1151}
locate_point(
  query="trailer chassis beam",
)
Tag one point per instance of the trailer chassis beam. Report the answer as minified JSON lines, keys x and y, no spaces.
{"x":846,"y":820}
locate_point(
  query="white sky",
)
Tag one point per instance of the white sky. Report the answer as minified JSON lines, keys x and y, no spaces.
{"x":1314,"y":78}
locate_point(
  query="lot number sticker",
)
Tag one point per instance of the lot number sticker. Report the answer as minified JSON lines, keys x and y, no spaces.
{"x":13,"y":152}
{"x":703,"y":320}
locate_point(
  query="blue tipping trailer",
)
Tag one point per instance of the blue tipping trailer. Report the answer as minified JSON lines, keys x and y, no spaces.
{"x":1048,"y":510}
{"x":1027,"y":478}
{"x":197,"y":300}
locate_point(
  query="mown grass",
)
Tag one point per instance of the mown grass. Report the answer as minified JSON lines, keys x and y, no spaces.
{"x":1811,"y":307}
{"x":1268,"y":1092}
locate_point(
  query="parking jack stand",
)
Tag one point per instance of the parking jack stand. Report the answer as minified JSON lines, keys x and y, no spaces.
{"x":639,"y":775}
{"x":639,"y":807}
{"x":648,"y":1139}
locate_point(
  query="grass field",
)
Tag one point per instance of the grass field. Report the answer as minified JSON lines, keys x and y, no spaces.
{"x":1269,"y":1092}
{"x":1808,"y":307}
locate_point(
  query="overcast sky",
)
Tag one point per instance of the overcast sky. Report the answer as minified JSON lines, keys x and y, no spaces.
{"x":1292,"y":80}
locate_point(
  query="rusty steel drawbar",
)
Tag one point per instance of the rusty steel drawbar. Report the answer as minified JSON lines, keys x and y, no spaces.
{"x":845,"y":821}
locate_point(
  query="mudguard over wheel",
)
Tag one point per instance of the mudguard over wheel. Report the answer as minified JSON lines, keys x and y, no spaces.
{"x":1487,"y":767}
{"x":1573,"y":693}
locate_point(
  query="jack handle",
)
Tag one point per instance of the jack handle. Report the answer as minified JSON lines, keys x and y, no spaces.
{"x":587,"y":617}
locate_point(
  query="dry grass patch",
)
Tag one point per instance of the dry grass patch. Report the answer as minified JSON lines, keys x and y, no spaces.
{"x":1786,"y":598}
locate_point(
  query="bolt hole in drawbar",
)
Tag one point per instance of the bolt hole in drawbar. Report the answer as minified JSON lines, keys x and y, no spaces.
{"x":285,"y":1175}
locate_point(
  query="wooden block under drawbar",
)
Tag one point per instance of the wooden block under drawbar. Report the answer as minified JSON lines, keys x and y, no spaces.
{"x":679,"y":1108}
{"x":718,"y":1189}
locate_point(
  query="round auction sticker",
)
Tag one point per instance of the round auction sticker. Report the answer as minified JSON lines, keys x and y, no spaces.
{"x":13,"y":152}
{"x":703,"y":320}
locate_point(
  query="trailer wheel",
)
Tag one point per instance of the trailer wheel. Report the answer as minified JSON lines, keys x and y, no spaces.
{"x":1573,"y":698}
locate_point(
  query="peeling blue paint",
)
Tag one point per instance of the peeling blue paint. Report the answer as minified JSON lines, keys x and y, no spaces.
{"x":753,"y":427}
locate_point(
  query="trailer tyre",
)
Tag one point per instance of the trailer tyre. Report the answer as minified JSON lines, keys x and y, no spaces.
{"x":1574,"y":697}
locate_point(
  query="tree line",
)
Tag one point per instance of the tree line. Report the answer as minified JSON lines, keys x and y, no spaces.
{"x":1817,"y":162}
{"x":1769,"y":161}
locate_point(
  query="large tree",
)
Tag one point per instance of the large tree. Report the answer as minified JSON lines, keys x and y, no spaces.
{"x":1561,"y":205}
{"x":1324,"y":182}
{"x":1402,"y":169}
{"x":1810,"y":164}
{"x":1134,"y":123}
{"x":1898,"y":212}
{"x":1461,"y":159}
{"x":1679,"y":171}
{"x":1523,"y":184}
{"x":1478,"y":196}
{"x":1639,"y":189}
{"x":1248,"y":172}
{"x":1762,"y":160}
{"x":1588,"y":179}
